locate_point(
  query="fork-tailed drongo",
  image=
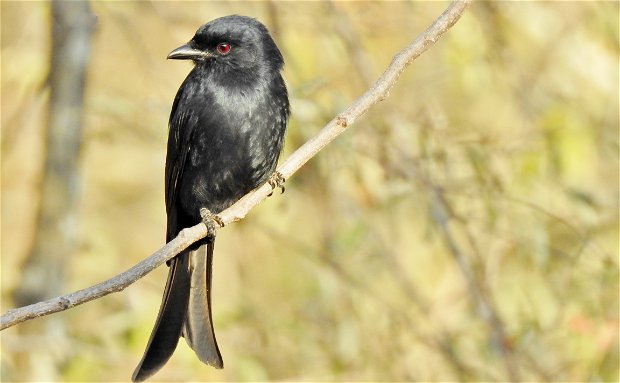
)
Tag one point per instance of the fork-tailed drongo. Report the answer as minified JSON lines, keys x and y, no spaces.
{"x":227,"y":129}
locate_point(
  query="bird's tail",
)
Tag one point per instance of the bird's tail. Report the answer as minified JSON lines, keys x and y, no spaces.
{"x":198,"y":329}
{"x":169,"y":324}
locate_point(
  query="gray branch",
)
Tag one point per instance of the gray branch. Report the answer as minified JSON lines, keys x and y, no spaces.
{"x":378,"y":92}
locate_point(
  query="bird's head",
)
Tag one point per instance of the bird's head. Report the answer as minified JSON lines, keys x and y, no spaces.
{"x":232,"y":43}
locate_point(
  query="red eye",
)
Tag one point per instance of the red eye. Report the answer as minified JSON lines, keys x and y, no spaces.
{"x":223,"y":48}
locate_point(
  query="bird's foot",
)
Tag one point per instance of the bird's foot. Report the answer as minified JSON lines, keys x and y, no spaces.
{"x":211,"y":221}
{"x":276,"y":180}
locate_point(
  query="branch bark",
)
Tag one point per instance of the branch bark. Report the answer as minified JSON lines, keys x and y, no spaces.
{"x":378,"y":92}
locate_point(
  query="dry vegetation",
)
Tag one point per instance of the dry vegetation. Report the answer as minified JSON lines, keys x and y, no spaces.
{"x":464,"y":229}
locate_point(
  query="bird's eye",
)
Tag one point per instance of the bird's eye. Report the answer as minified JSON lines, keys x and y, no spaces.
{"x":223,"y":48}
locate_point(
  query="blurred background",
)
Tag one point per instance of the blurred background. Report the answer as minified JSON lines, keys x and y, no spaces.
{"x":466,"y":228}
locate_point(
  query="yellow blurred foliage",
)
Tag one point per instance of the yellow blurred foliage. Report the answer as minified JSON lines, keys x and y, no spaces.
{"x":466,"y":228}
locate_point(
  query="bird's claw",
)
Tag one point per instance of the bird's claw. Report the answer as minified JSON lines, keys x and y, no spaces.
{"x":211,"y":221}
{"x":276,"y":180}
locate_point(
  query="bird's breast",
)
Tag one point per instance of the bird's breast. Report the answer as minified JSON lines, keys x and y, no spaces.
{"x":235,"y":146}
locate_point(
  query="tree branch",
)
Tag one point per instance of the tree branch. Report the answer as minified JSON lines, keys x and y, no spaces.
{"x":378,"y":92}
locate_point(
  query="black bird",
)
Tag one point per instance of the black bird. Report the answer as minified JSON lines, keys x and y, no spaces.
{"x":227,"y":129}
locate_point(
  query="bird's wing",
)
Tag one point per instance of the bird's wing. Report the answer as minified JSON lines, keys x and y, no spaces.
{"x":182,"y":123}
{"x":171,"y":317}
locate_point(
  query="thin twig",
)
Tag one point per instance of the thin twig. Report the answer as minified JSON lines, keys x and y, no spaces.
{"x":378,"y":92}
{"x":442,"y":214}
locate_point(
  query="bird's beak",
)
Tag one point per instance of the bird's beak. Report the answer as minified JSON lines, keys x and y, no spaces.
{"x":186,"y":52}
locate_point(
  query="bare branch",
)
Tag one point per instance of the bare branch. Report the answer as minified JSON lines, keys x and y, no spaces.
{"x":378,"y":92}
{"x":442,"y":214}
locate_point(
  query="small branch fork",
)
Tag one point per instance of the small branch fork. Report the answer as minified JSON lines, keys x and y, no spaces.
{"x":378,"y":92}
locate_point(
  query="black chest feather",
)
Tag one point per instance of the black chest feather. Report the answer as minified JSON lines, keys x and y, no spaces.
{"x":224,"y":141}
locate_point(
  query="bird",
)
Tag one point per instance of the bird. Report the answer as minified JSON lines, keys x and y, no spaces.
{"x":226,"y":132}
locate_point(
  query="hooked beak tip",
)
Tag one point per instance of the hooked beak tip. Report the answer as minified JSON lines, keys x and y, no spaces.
{"x":186,"y":52}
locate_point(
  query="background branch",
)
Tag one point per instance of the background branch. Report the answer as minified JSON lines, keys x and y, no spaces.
{"x":378,"y":92}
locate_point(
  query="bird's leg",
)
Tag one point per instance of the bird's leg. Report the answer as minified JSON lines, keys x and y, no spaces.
{"x":276,"y":180}
{"x":211,"y":221}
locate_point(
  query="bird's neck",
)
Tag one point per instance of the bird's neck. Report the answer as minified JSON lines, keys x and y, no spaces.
{"x":235,"y":78}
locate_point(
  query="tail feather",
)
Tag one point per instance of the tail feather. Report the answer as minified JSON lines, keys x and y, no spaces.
{"x":198,"y":330}
{"x":169,"y":324}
